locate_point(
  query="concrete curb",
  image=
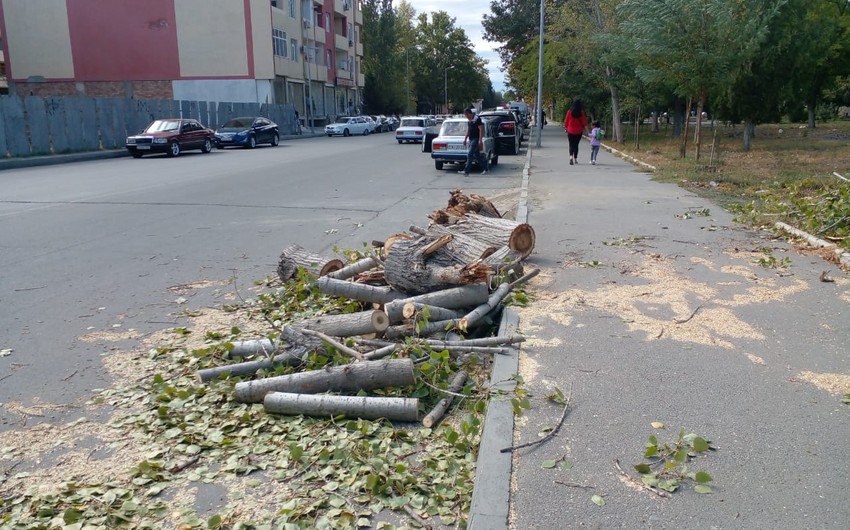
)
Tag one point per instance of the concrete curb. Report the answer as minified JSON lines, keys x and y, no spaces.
{"x":842,"y":255}
{"x":87,"y":156}
{"x":491,"y":494}
{"x":628,"y":158}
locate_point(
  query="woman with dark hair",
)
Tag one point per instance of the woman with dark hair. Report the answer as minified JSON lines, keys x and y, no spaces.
{"x":575,"y":124}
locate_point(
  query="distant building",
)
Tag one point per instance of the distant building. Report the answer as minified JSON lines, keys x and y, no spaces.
{"x":303,"y":52}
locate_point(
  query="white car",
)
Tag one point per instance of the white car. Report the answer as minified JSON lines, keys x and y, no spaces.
{"x":348,"y":125}
{"x":448,"y":147}
{"x":412,"y":129}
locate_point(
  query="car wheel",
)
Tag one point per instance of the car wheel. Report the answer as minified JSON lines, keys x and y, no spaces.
{"x":252,"y":142}
{"x":136,"y":154}
{"x":365,"y":132}
{"x":275,"y":140}
{"x":330,"y":135}
{"x":207,"y":147}
{"x":495,"y":160}
{"x":400,"y":142}
{"x":346,"y":133}
{"x":173,"y":149}
{"x":438,"y":165}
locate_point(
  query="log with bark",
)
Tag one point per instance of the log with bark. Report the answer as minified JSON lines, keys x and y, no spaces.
{"x":503,"y":259}
{"x":289,"y":338}
{"x":460,"y":205}
{"x":453,"y":298}
{"x":368,"y":408}
{"x":249,"y":367}
{"x":295,"y":256}
{"x":347,"y":324}
{"x":367,"y":375}
{"x":350,"y":271}
{"x":358,"y":291}
{"x":460,"y":250}
{"x":415,"y":311}
{"x":406,"y":269}
{"x":497,"y":232}
{"x":443,"y":405}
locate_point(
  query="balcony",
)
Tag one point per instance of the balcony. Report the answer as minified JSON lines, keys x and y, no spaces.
{"x":358,"y":17}
{"x":340,"y":42}
{"x":343,"y":73}
{"x":342,"y":7}
{"x":361,"y":80}
{"x":359,"y":49}
{"x":315,"y":33}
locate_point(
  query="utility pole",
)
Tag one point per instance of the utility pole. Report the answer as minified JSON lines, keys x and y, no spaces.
{"x":538,"y":120}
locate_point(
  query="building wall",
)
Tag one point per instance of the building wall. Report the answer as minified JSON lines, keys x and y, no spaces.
{"x":211,"y":38}
{"x":261,"y":28}
{"x":32,"y":28}
{"x":235,"y":90}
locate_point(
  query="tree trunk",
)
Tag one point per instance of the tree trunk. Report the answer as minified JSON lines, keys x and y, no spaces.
{"x":294,"y":256}
{"x":460,"y":205}
{"x":683,"y":147}
{"x":354,"y":269}
{"x":637,"y":126}
{"x":443,"y":405}
{"x":367,"y":408}
{"x":406,"y":269}
{"x":519,"y":237}
{"x":357,"y":291}
{"x":367,"y":375}
{"x":812,"y":104}
{"x":484,"y":341}
{"x":749,"y":132}
{"x":615,"y":106}
{"x":678,"y":114}
{"x":461,"y":250}
{"x":346,"y":324}
{"x":248,"y":367}
{"x":418,"y":311}
{"x":698,"y":132}
{"x":503,"y":259}
{"x":454,"y":298}
{"x":472,"y":318}
{"x":289,"y":338}
{"x":655,"y":128}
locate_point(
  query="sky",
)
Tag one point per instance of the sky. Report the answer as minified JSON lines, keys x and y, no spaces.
{"x":468,"y":15}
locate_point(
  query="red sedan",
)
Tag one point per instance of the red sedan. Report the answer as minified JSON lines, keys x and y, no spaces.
{"x":171,"y":136}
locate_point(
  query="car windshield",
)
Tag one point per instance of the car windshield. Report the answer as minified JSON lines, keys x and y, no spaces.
{"x":412,"y":123}
{"x":453,"y":128}
{"x":342,"y":121}
{"x":239,"y":123}
{"x":163,"y":125}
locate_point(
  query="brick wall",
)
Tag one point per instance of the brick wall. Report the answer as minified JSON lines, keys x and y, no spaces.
{"x":104,"y":89}
{"x":46,"y":89}
{"x":98,"y":89}
{"x":152,"y":90}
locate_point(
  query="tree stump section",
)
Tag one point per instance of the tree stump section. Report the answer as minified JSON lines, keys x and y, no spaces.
{"x":295,"y":256}
{"x":350,"y":271}
{"x":347,"y":324}
{"x":367,"y":408}
{"x":355,"y":377}
{"x":519,"y":237}
{"x":406,"y":269}
{"x":461,"y":250}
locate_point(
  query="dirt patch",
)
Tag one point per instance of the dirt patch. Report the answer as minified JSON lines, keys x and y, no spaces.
{"x":110,"y":336}
{"x":832,"y":383}
{"x":200,"y":284}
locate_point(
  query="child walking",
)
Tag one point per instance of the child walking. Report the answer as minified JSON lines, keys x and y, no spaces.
{"x":596,"y":135}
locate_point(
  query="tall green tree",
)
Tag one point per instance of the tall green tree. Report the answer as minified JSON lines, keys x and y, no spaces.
{"x":384,"y":88}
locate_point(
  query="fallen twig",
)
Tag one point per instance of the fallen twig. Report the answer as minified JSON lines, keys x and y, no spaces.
{"x":575,"y":485}
{"x":690,"y":317}
{"x":415,"y":516}
{"x":188,"y":463}
{"x":550,"y":434}
{"x":640,"y":484}
{"x":825,"y":278}
{"x":70,"y":376}
{"x":335,"y":343}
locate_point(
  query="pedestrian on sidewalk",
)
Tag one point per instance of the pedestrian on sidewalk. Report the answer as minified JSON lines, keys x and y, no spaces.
{"x":475,"y":148}
{"x":575,"y":124}
{"x":596,"y":135}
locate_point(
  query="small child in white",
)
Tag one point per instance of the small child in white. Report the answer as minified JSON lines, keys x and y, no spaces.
{"x":596,"y":136}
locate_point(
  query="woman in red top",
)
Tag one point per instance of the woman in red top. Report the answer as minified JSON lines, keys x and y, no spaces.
{"x":575,"y":124}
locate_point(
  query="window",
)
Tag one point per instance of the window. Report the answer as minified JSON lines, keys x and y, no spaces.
{"x":327,"y":21}
{"x":275,"y":3}
{"x":292,"y":8}
{"x":279,"y":42}
{"x":330,"y":58}
{"x":293,"y":49}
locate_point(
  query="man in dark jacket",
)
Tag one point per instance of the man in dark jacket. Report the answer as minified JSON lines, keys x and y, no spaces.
{"x":475,"y":137}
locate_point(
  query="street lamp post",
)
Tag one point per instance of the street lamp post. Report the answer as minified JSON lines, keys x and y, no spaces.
{"x":538,"y":120}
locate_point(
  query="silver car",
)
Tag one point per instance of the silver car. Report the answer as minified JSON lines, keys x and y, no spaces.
{"x":448,"y":147}
{"x":346,"y":126}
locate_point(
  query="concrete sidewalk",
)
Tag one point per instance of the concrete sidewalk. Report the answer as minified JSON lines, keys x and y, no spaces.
{"x":651,"y":307}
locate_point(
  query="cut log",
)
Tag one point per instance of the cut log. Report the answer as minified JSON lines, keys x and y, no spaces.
{"x":295,"y":256}
{"x":368,"y":408}
{"x":249,"y":367}
{"x":412,"y":330}
{"x":382,"y":352}
{"x":460,"y":205}
{"x":504,"y":258}
{"x":353,"y":377}
{"x":406,"y":269}
{"x":289,"y":338}
{"x":358,"y":291}
{"x":454,"y":298}
{"x":347,"y":324}
{"x":485,"y":341}
{"x":472,"y":318}
{"x":350,"y":271}
{"x":388,"y":244}
{"x":443,"y":405}
{"x":414,"y":310}
{"x":460,"y":250}
{"x":342,"y":348}
{"x":497,"y":232}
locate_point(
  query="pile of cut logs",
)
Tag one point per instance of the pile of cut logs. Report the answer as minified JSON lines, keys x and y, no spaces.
{"x":433,"y":286}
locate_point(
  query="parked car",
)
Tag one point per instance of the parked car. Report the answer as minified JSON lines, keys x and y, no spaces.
{"x":381,"y":124}
{"x":412,"y":129}
{"x":448,"y":147}
{"x":392,"y":123}
{"x":247,"y":132}
{"x":348,"y":125}
{"x":522,"y":108}
{"x":171,"y":136}
{"x":507,"y":130}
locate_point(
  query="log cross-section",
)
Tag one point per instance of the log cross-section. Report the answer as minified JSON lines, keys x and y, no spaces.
{"x":519,"y":237}
{"x":295,"y":256}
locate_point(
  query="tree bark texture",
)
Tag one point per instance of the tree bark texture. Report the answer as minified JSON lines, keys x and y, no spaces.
{"x":358,"y":291}
{"x":698,"y":132}
{"x":347,"y":324}
{"x":350,"y":271}
{"x":289,"y":338}
{"x":472,"y":318}
{"x":443,"y":405}
{"x":460,"y":205}
{"x":367,"y":408}
{"x":406,"y":270}
{"x":295,"y":256}
{"x":414,"y":310}
{"x":462,"y":248}
{"x":497,"y":232}
{"x":615,"y":106}
{"x":354,"y":377}
{"x":454,"y":298}
{"x":749,"y":132}
{"x":683,"y":147}
{"x":504,"y":258}
{"x":249,"y":367}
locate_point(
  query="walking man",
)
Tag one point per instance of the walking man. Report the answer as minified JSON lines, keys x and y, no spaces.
{"x":475,"y":137}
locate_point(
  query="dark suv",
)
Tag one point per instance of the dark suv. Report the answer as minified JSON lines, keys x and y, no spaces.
{"x":172,"y":136}
{"x":506,"y":129}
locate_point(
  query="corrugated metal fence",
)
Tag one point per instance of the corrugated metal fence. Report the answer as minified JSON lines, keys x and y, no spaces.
{"x":39,"y":126}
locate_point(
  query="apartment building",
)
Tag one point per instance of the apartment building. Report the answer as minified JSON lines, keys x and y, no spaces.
{"x":303,"y":52}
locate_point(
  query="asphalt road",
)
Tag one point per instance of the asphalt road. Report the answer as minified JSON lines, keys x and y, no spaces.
{"x":93,"y":247}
